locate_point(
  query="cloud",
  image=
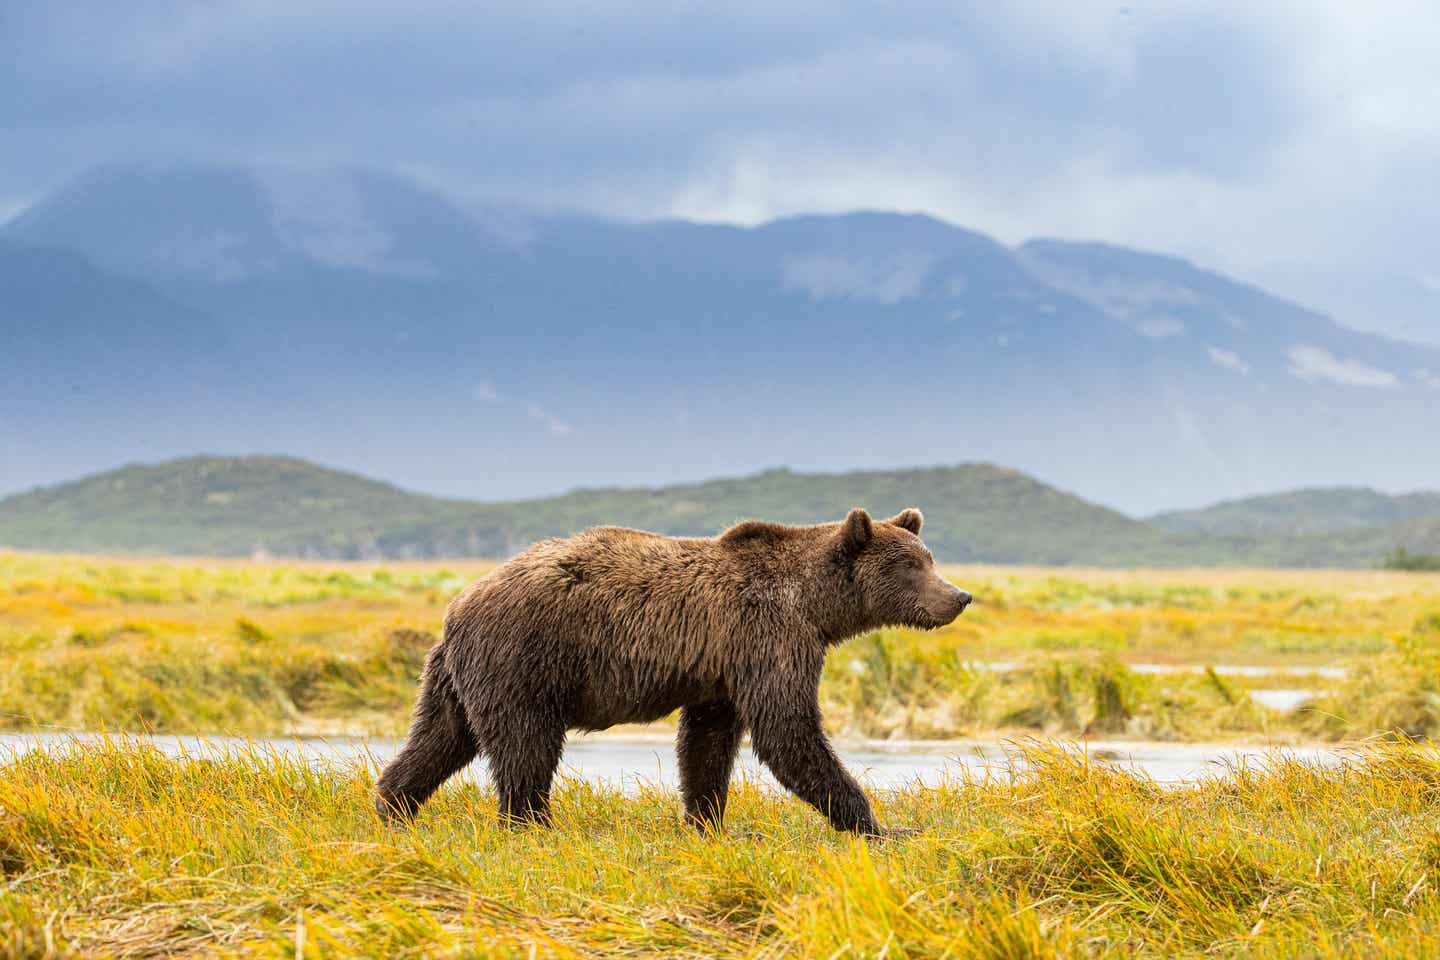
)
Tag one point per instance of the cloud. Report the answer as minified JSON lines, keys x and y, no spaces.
{"x":1236,"y":134}
{"x":10,"y":206}
{"x":556,"y":426}
{"x":324,"y":218}
{"x":1227,"y":359}
{"x":486,"y":392}
{"x":1314,"y":363}
{"x":1159,"y":327}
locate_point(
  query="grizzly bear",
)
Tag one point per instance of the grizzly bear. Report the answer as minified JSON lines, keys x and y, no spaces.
{"x":621,"y":626}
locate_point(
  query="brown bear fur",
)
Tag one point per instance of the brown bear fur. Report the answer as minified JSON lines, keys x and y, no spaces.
{"x":621,"y":626}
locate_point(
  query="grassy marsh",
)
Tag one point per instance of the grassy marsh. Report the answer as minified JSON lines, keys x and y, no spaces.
{"x":228,"y":646}
{"x":111,"y":849}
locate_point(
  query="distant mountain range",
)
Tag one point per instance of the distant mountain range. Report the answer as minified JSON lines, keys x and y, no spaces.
{"x":358,"y":319}
{"x":973,"y":513}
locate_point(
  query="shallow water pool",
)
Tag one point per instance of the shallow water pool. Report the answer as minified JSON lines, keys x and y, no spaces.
{"x":636,"y":762}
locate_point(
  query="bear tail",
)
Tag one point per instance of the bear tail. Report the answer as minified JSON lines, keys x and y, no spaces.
{"x":439,"y":743}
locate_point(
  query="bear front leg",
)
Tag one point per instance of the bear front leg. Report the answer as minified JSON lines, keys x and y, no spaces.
{"x":792,"y":743}
{"x":708,"y":739}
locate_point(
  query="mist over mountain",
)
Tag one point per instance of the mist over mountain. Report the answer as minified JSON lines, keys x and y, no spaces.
{"x":361,"y":320}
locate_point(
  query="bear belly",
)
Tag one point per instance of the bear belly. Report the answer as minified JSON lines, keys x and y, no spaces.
{"x":602,"y":705}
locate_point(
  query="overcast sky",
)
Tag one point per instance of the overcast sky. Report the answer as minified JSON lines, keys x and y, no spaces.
{"x":1254,"y":137}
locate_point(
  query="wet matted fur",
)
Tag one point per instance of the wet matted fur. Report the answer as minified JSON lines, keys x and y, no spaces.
{"x":621,"y":626}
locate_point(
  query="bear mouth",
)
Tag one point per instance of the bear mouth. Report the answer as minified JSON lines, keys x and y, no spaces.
{"x":947,"y":612}
{"x":929,"y":620}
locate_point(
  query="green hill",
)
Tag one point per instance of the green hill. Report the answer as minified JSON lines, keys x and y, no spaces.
{"x":222,"y":506}
{"x":1329,"y":527}
{"x":238,"y":506}
{"x":1365,"y":547}
{"x":1303,"y":513}
{"x":973,"y":512}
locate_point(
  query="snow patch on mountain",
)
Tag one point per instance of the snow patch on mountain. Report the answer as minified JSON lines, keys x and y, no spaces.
{"x":1315,"y":363}
{"x":887,"y":280}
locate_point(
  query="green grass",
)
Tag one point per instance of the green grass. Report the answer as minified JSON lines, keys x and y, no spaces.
{"x":111,"y":849}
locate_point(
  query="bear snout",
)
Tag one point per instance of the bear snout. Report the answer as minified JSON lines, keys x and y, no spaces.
{"x":944,"y":603}
{"x":957,"y":602}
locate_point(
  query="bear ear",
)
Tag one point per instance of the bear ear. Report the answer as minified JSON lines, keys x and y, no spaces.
{"x":855,"y":530}
{"x":908,"y":520}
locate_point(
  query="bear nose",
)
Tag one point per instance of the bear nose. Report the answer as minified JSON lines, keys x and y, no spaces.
{"x":964,"y":598}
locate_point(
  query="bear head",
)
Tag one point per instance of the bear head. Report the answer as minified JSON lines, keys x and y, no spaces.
{"x":894,"y":574}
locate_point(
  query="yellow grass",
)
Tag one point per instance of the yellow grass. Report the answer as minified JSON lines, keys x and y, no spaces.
{"x":112,"y":850}
{"x":230,"y":646}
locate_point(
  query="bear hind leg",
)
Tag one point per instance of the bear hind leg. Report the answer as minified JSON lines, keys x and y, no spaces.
{"x":523,"y":759}
{"x":439,"y":743}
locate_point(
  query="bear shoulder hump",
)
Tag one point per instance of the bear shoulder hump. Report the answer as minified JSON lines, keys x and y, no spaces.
{"x":752,"y":531}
